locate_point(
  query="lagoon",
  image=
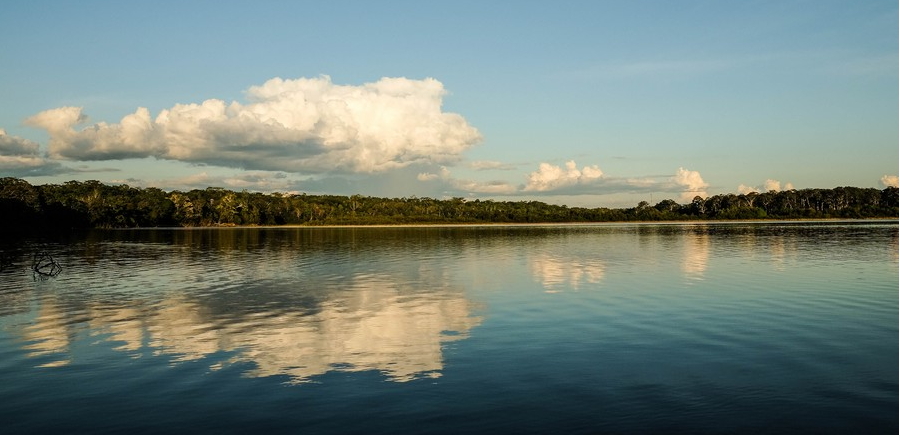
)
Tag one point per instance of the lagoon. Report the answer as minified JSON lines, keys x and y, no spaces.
{"x":763,"y":327}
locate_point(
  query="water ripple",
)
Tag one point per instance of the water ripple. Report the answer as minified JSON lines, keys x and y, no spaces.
{"x":619,"y":328}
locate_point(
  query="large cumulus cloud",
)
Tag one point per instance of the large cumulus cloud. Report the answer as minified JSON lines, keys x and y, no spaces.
{"x":306,"y":125}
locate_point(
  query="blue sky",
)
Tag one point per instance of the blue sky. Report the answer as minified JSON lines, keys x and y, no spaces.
{"x":588,"y":103}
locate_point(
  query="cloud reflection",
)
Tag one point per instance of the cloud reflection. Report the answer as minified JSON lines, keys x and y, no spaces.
{"x":695,"y":255}
{"x":556,"y":273}
{"x":373,"y":323}
{"x":399,"y":336}
{"x":48,"y":337}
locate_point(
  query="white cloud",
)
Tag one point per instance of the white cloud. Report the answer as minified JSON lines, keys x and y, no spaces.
{"x":306,"y":125}
{"x":21,"y":157}
{"x":692,"y":184}
{"x":553,"y":178}
{"x":135,"y":136}
{"x":768,"y":186}
{"x":744,"y":189}
{"x":427,"y":176}
{"x":889,"y":181}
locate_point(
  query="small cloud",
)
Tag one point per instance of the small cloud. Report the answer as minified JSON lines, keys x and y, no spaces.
{"x":771,"y":185}
{"x":692,"y":183}
{"x":554,"y":178}
{"x":428,"y":176}
{"x":744,"y":189}
{"x":889,"y":181}
{"x":484,"y":165}
{"x":767,"y":186}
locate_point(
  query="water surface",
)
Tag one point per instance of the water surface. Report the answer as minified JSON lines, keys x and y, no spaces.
{"x":617,"y":328}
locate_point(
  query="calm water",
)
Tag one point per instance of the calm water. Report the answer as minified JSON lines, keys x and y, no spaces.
{"x":698,"y":328}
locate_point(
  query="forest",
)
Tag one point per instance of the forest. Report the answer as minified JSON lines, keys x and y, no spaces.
{"x":92,"y":204}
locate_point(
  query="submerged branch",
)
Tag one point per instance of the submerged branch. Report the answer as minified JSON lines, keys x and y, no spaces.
{"x":44,"y":265}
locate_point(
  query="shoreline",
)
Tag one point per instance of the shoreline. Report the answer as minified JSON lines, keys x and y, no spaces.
{"x":514,"y":224}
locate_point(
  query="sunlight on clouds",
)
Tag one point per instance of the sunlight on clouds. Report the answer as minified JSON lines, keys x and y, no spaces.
{"x":692,"y":183}
{"x":135,"y":136}
{"x":889,"y":181}
{"x":551,"y":180}
{"x":305,"y":125}
{"x":772,"y":185}
{"x":744,"y":189}
{"x":550,"y":177}
{"x":768,"y":186}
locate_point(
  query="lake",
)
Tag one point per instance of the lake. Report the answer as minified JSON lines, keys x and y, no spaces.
{"x":611,"y":328}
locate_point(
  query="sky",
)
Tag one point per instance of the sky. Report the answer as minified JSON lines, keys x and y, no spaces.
{"x":583,"y":103}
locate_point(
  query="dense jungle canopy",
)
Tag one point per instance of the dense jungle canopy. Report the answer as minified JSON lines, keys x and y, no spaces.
{"x":92,"y":204}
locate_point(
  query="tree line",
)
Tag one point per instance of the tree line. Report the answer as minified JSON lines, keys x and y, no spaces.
{"x":92,"y":204}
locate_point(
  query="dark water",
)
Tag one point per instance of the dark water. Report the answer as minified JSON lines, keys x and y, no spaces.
{"x":680,"y":328}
